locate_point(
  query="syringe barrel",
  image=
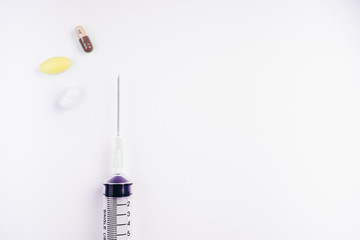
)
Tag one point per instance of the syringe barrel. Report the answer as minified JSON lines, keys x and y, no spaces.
{"x":116,"y":212}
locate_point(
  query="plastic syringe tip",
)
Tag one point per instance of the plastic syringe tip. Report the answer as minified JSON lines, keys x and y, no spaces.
{"x":118,"y":162}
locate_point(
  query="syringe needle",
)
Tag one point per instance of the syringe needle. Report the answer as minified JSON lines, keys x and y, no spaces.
{"x":118,"y":106}
{"x":118,"y":163}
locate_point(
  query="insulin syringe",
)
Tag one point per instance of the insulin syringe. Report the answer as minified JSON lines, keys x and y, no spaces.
{"x":117,"y":191}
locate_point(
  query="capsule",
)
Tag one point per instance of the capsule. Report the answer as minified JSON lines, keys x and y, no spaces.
{"x":84,"y":39}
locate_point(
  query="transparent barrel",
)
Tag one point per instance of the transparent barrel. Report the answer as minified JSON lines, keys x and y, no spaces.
{"x":116,"y":212}
{"x":117,"y":218}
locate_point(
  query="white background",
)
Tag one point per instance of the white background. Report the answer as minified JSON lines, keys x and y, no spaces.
{"x":241,"y":119}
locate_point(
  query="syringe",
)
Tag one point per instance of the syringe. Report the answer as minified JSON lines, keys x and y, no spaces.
{"x":117,"y":191}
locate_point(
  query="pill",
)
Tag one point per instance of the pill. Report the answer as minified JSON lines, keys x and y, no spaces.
{"x":69,"y":98}
{"x":55,"y":65}
{"x":84,"y":39}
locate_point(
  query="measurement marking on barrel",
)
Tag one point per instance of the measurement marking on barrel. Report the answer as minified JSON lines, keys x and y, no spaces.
{"x":116,"y":219}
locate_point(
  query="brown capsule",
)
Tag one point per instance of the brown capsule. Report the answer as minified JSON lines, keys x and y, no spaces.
{"x":84,"y":39}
